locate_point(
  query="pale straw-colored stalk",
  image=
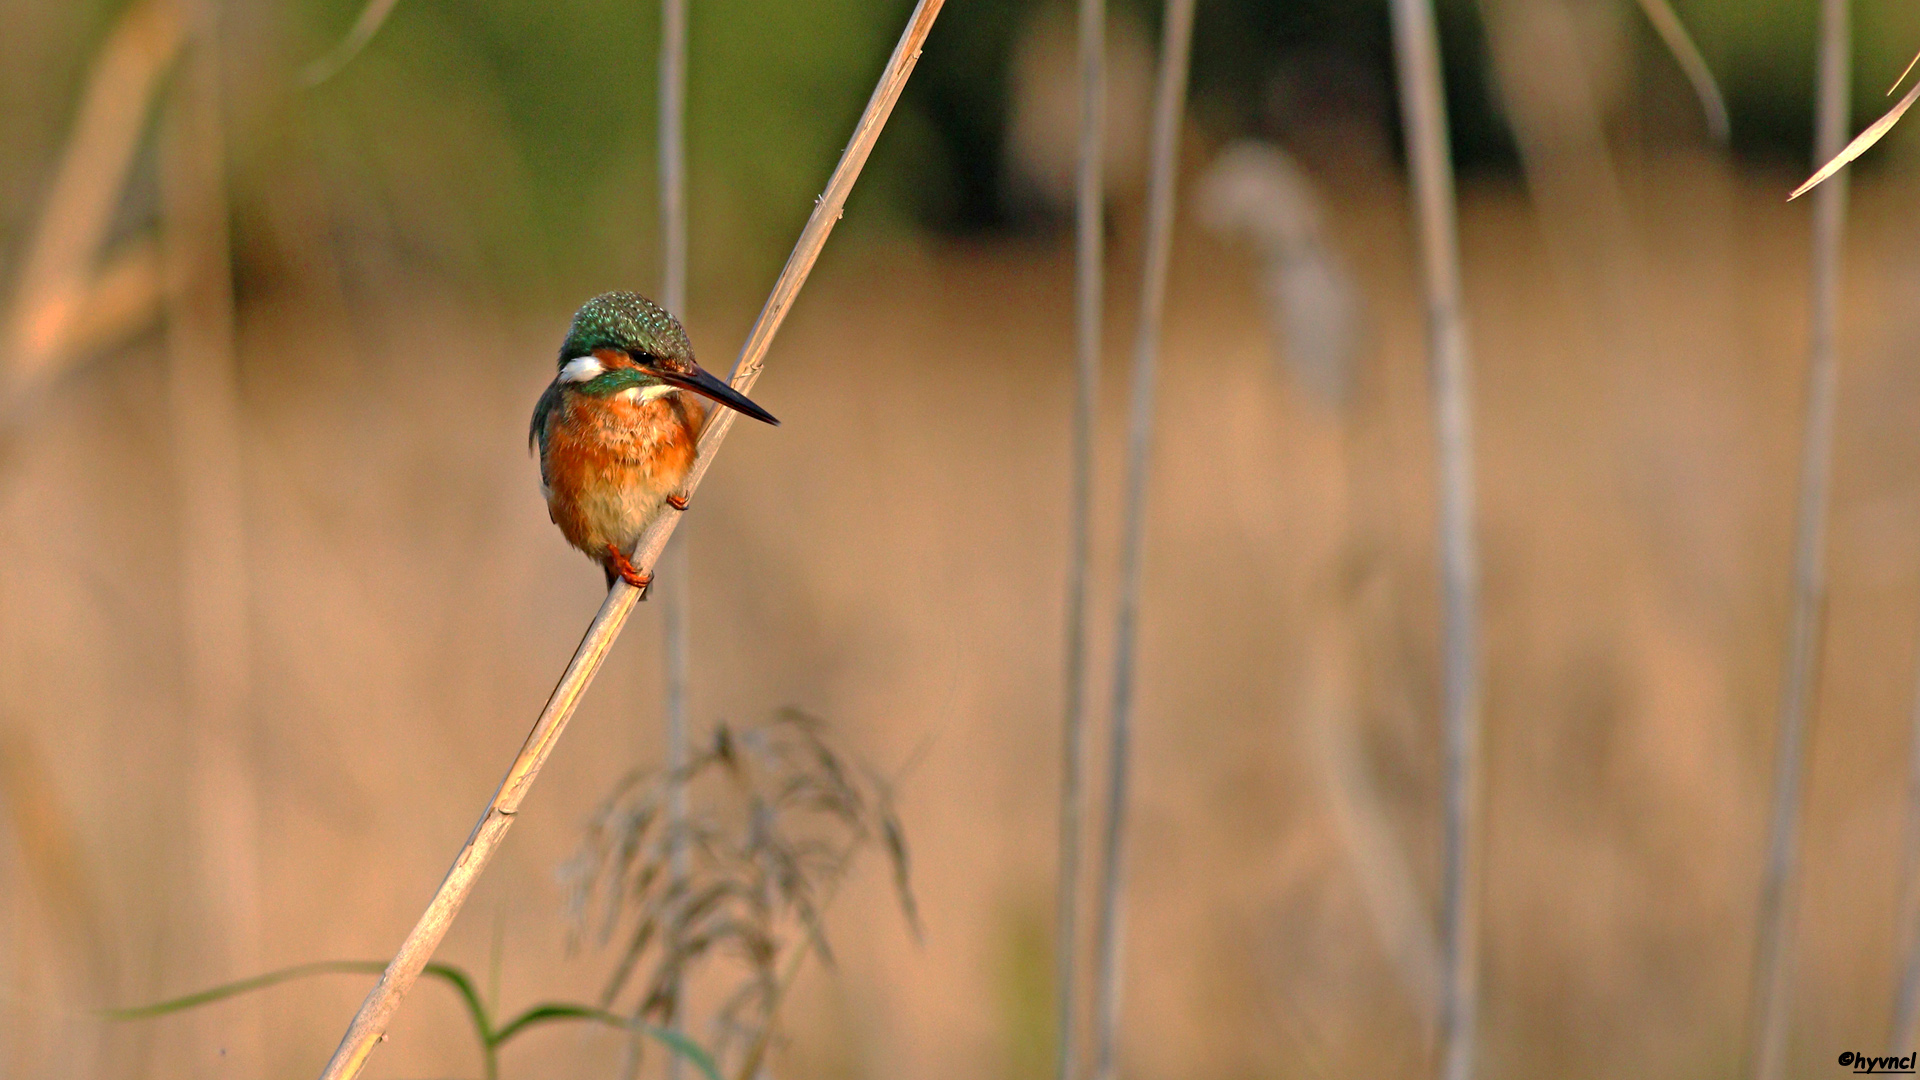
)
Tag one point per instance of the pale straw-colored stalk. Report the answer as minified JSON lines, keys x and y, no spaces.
{"x":204,"y":413}
{"x":1773,"y":960}
{"x":677,"y":561}
{"x":1424,"y":116}
{"x":1906,"y":998}
{"x":376,"y":1012}
{"x":1088,"y":296}
{"x":1169,"y":108}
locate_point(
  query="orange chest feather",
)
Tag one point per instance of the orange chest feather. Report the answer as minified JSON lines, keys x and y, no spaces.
{"x":594,"y":444}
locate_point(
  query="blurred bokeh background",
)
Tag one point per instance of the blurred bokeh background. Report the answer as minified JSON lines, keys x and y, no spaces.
{"x":389,"y":603}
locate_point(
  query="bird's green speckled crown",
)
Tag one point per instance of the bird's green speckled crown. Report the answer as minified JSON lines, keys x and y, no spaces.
{"x":626,"y":321}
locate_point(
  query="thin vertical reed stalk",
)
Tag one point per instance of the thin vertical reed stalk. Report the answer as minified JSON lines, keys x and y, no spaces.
{"x":677,"y":596}
{"x":1088,"y":296}
{"x":1773,"y":963}
{"x":376,"y":1012}
{"x":1424,"y":114}
{"x":1906,"y":1002}
{"x":204,"y":405}
{"x":673,"y":154}
{"x":1169,"y":108}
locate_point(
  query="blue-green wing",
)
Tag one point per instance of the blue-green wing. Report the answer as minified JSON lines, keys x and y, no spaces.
{"x":537,"y":432}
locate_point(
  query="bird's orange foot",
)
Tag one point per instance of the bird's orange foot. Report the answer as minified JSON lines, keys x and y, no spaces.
{"x":678,"y":502}
{"x":624,"y":567}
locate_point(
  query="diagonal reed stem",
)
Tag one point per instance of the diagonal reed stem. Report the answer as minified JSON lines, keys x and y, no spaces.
{"x":1424,"y":113}
{"x":1088,"y":294}
{"x":376,"y":1012}
{"x":1773,"y":961}
{"x":677,"y":596}
{"x":1169,"y":107}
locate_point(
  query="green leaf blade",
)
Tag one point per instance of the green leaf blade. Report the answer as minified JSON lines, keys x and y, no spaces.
{"x":243,"y":986}
{"x":551,"y":1011}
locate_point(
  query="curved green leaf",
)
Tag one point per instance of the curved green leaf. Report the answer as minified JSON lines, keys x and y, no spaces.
{"x":258,"y":982}
{"x":1673,"y":33}
{"x":364,"y":27}
{"x":560,"y":1010}
{"x":463,"y":984}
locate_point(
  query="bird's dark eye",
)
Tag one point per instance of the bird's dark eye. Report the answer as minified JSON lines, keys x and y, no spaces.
{"x":660,"y":363}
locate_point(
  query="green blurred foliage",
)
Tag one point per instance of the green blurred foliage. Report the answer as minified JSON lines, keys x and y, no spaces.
{"x":1025,"y":990}
{"x":959,"y":94}
{"x":1763,"y":53}
{"x":44,"y":53}
{"x":510,"y":143}
{"x":516,"y":137}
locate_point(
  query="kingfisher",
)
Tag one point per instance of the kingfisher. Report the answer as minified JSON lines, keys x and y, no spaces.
{"x":617,"y":429}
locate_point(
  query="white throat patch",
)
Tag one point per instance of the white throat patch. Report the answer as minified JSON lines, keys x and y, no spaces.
{"x":647,"y":393}
{"x":580,"y":369}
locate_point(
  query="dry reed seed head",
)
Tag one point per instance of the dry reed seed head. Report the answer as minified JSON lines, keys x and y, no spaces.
{"x":1256,"y":191}
{"x":777,"y":818}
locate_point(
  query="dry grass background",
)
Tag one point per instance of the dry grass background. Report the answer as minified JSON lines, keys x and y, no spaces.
{"x":890,"y":559}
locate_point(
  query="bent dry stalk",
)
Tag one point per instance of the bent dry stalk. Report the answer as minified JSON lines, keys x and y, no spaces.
{"x":370,"y":1023}
{"x":61,"y":305}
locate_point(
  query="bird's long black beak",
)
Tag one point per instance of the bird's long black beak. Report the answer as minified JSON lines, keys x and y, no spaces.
{"x":707,"y":386}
